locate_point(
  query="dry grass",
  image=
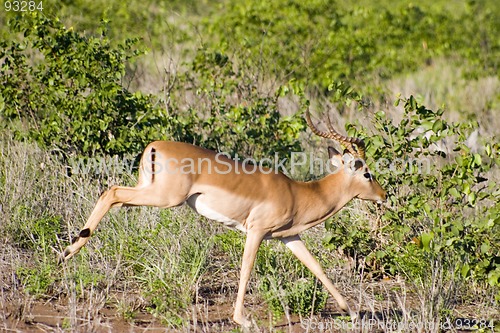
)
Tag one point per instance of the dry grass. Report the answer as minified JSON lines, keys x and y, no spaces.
{"x":443,"y":84}
{"x":109,"y":273}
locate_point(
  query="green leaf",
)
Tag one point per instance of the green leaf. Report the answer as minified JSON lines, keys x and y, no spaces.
{"x":438,"y":126}
{"x":453,"y":192}
{"x":494,"y":277}
{"x":427,"y":125}
{"x":472,"y":198}
{"x":465,"y":270}
{"x":466,"y":189}
{"x":477,"y":159}
{"x":488,"y":149}
{"x":413,"y":103}
{"x":426,"y":239}
{"x":485,"y":248}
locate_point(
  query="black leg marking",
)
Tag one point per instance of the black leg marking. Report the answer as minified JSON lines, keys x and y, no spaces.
{"x":153,"y":157}
{"x":85,"y":233}
{"x":74,"y":240}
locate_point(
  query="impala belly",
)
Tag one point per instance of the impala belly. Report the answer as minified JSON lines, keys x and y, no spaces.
{"x":198,"y":203}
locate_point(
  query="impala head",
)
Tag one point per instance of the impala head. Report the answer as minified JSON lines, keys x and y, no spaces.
{"x":351,"y":164}
{"x":357,"y":176}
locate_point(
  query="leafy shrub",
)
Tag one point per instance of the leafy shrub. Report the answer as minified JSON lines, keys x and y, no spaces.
{"x":234,"y":116}
{"x":319,"y":41}
{"x":453,"y":208}
{"x":66,"y":89}
{"x":443,"y":208}
{"x":70,"y":96}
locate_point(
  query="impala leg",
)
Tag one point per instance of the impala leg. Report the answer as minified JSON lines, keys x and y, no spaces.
{"x":116,"y":196}
{"x":253,"y":241}
{"x":298,"y":248}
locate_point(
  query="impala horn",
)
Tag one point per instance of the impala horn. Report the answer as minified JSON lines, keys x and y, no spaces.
{"x":355,"y":146}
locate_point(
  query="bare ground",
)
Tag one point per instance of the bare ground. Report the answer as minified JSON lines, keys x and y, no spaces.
{"x":54,"y":315}
{"x":211,"y":313}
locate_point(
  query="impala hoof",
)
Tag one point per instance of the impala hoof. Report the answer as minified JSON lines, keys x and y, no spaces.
{"x":68,"y":253}
{"x":63,"y":256}
{"x":244,"y":322}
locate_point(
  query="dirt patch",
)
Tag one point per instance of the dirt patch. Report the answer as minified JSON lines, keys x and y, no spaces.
{"x":55,"y":316}
{"x":52,"y":316}
{"x":382,"y":303}
{"x":209,"y":315}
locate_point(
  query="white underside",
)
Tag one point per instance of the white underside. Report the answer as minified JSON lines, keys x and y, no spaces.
{"x":197,"y":204}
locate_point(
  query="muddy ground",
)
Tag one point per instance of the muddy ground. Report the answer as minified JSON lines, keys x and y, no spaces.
{"x":381,"y":305}
{"x":212,"y":315}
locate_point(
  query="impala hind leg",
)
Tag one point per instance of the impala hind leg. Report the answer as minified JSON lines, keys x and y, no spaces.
{"x":299,"y":249}
{"x":116,"y":196}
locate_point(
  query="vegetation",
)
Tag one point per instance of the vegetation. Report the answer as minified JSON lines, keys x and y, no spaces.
{"x":235,"y":76}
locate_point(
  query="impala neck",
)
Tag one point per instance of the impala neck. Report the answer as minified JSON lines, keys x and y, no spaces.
{"x":324,"y":197}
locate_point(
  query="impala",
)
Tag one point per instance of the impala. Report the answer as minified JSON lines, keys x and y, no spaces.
{"x":262,"y":204}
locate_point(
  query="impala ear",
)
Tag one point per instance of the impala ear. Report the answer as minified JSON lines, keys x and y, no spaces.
{"x":332,"y":152}
{"x":335,"y":157}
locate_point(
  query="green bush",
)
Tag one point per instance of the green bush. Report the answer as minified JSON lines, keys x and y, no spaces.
{"x":453,"y":208}
{"x":234,"y":116}
{"x":76,"y":102}
{"x":442,"y":206}
{"x":319,"y":41}
{"x":66,"y":89}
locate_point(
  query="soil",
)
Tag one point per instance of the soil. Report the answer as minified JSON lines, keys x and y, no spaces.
{"x":214,"y":315}
{"x":52,"y":316}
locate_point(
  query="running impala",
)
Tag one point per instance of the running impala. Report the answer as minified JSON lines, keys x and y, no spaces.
{"x":261,"y":204}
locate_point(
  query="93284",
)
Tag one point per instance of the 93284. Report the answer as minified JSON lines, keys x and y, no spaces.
{"x":23,"y":6}
{"x":474,"y":324}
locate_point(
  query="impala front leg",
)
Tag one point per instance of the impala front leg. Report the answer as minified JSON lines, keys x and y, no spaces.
{"x":253,"y":241}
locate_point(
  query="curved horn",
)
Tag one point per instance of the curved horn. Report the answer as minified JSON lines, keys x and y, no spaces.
{"x":355,"y":146}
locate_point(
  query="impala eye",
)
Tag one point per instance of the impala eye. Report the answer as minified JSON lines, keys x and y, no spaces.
{"x":367,"y":175}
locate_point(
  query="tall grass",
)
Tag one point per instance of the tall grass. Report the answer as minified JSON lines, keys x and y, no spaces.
{"x":443,"y":83}
{"x":145,"y":251}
